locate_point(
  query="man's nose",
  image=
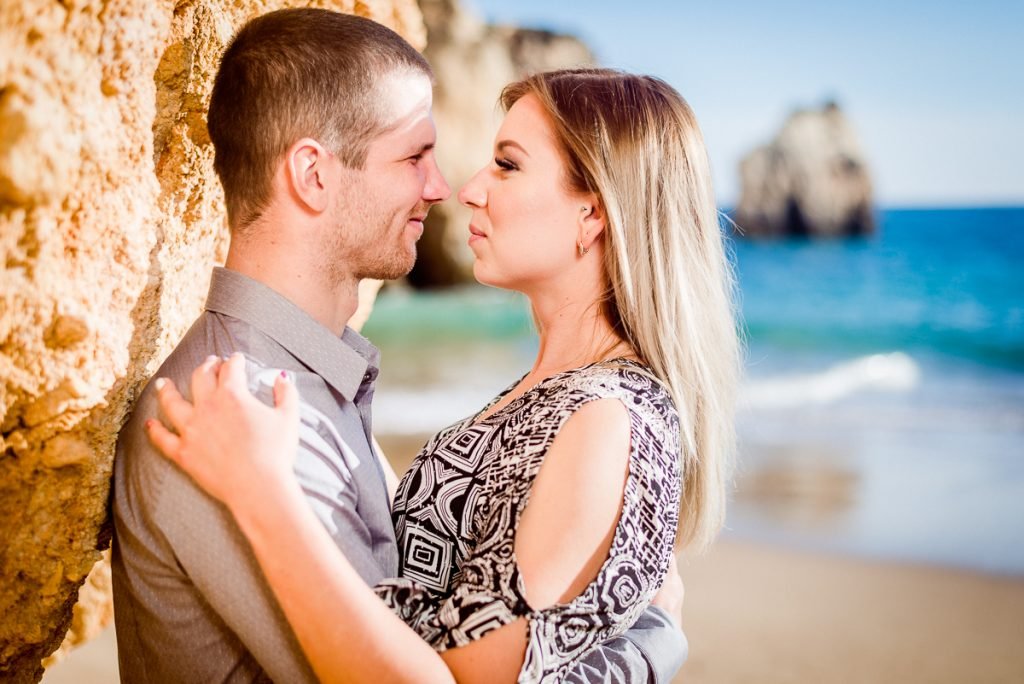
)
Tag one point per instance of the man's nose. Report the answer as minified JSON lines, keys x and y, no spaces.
{"x":436,"y":188}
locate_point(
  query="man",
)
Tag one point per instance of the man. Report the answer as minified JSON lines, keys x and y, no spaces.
{"x":321,"y":125}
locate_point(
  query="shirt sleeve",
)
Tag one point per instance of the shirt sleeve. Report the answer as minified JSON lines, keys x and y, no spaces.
{"x":325,"y":467}
{"x":651,"y":651}
{"x":199,"y":607}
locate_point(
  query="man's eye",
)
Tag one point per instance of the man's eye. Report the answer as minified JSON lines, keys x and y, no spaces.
{"x":505,"y":164}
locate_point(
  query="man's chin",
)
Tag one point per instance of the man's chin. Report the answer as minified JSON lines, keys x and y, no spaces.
{"x":393,"y":270}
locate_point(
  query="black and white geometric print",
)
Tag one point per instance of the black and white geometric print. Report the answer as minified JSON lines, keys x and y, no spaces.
{"x":458,"y":507}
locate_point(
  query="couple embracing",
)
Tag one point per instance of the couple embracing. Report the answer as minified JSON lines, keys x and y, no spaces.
{"x":261,"y":535}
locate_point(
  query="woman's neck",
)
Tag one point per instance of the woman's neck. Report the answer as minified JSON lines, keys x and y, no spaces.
{"x":574,"y":332}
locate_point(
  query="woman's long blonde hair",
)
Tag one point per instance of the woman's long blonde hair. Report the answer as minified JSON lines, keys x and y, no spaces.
{"x":634,"y":142}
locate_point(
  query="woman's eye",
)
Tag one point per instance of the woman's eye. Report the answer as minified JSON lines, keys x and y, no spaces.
{"x":505,"y":164}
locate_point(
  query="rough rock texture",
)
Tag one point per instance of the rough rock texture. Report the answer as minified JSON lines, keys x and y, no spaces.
{"x":110,"y":220}
{"x":473,"y":62}
{"x":812,"y":180}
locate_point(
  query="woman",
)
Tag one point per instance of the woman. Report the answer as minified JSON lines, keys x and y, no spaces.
{"x":597,"y":206}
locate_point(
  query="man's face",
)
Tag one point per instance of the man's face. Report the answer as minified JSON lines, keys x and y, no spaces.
{"x":379,"y":210}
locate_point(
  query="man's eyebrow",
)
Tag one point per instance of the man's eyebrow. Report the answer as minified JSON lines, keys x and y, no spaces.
{"x":502,"y":144}
{"x":426,"y":147}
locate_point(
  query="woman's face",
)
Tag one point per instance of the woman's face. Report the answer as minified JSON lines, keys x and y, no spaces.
{"x":525,"y":223}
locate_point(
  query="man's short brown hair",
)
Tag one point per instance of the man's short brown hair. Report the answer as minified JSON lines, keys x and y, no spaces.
{"x":298,"y":73}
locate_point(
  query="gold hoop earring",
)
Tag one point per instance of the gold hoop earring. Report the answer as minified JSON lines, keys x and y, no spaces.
{"x":582,"y":250}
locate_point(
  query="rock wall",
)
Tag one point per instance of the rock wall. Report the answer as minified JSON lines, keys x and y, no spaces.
{"x":110,"y":221}
{"x":812,"y":180}
{"x":473,"y":61}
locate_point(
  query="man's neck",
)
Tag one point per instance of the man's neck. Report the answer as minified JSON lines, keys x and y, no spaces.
{"x":330,"y":304}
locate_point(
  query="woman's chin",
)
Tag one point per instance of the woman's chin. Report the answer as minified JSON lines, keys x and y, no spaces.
{"x":487,"y":276}
{"x":481,"y":275}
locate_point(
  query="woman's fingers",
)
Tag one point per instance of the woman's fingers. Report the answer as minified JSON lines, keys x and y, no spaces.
{"x":232,"y":374}
{"x":204,"y":379}
{"x":166,"y":442}
{"x":286,"y":397}
{"x":177,"y":409}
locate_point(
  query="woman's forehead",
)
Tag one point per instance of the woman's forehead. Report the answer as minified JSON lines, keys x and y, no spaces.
{"x":527,"y":123}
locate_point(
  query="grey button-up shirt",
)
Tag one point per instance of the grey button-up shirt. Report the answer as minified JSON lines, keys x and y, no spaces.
{"x":190,"y":601}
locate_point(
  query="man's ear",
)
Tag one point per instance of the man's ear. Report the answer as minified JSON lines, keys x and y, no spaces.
{"x":308,"y":169}
{"x":591,"y":220}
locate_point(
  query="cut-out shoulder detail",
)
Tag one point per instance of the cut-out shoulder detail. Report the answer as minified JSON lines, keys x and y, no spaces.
{"x":579,"y":485}
{"x":460,"y":504}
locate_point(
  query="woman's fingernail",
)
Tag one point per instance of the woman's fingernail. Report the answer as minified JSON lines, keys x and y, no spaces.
{"x":159,"y":384}
{"x":149,"y":424}
{"x":284,"y":376}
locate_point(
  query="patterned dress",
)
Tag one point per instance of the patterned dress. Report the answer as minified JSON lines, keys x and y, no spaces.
{"x":458,"y":507}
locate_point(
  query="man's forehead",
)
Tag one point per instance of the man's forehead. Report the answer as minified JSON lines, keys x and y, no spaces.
{"x":408,"y":98}
{"x":411,"y":130}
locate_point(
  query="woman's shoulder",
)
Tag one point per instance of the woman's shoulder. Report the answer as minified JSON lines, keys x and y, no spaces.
{"x":630,"y":381}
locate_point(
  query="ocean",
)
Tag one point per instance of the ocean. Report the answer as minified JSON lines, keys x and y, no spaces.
{"x":882,"y":408}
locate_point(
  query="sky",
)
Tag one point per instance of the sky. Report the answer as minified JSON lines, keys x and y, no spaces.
{"x":935,"y":90}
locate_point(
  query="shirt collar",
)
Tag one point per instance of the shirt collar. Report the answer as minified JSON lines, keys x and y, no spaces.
{"x":345,"y":363}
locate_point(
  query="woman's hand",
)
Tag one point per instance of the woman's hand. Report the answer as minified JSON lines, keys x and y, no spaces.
{"x":235,"y":447}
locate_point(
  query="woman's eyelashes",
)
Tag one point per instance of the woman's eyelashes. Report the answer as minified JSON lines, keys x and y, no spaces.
{"x":505,"y":164}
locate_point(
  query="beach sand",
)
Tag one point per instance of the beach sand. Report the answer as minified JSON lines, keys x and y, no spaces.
{"x":758,"y":614}
{"x":762,"y":614}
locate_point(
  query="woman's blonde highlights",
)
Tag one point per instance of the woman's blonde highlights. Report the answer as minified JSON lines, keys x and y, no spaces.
{"x":635,"y":143}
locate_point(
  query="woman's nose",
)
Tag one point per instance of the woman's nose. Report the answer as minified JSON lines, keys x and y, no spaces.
{"x":473,"y":194}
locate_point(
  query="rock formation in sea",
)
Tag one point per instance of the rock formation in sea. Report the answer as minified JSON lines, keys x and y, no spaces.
{"x":811,"y":181}
{"x":473,"y":61}
{"x":110,"y":221}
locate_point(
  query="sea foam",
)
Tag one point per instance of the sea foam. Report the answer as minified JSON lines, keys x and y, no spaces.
{"x":892,"y":372}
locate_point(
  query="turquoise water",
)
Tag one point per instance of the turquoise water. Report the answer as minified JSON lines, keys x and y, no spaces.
{"x":882,"y":412}
{"x":947,"y":282}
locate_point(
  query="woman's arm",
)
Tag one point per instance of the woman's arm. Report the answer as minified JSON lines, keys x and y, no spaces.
{"x":232,"y":445}
{"x":579,"y":488}
{"x":346,"y":632}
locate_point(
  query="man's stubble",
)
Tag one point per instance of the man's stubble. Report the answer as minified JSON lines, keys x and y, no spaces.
{"x":364,"y":242}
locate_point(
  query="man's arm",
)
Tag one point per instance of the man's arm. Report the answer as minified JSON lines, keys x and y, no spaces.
{"x":223,"y":612}
{"x":651,"y":651}
{"x":191,"y":603}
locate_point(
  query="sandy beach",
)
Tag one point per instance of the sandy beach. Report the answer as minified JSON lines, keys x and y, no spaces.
{"x":771,"y":615}
{"x":760,"y":614}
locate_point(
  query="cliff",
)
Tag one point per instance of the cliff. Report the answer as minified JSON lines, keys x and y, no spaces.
{"x":110,"y":221}
{"x":811,"y":181}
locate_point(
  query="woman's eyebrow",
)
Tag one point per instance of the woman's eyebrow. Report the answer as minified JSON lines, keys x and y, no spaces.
{"x":502,"y":144}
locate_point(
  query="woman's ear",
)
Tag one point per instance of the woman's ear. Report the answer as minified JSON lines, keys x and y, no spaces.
{"x":307,"y":171}
{"x":591,"y":221}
